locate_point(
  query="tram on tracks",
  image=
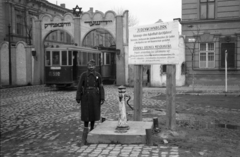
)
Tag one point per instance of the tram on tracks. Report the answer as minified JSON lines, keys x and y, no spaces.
{"x":65,"y":63}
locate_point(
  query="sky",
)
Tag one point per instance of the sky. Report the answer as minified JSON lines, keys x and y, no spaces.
{"x":147,"y":12}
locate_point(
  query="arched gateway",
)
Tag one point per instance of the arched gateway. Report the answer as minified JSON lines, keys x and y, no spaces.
{"x":106,"y":32}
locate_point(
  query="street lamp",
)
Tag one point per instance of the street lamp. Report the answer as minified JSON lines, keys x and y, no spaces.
{"x":33,"y":52}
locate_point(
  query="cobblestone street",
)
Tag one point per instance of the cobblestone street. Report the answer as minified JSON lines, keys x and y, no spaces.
{"x":41,"y":121}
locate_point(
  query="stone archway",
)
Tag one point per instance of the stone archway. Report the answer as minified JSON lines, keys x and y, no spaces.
{"x":103,"y":40}
{"x":99,"y":37}
{"x":63,"y":37}
{"x":44,"y":26}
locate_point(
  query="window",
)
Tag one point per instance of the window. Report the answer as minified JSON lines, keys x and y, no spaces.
{"x":61,"y":36}
{"x":47,"y":58}
{"x":230,"y":48}
{"x":90,"y":56}
{"x":95,"y":57}
{"x":19,"y":29}
{"x":83,"y":58}
{"x":19,"y":25}
{"x":64,"y":57}
{"x":69,"y":57}
{"x":56,"y":58}
{"x":183,"y":68}
{"x":106,"y":58}
{"x":53,"y":37}
{"x":207,"y":9}
{"x":163,"y":69}
{"x":206,"y":55}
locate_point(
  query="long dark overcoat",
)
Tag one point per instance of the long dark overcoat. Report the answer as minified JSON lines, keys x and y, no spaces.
{"x":90,"y":92}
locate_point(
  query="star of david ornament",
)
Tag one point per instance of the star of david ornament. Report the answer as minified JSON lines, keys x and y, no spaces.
{"x":77,"y":11}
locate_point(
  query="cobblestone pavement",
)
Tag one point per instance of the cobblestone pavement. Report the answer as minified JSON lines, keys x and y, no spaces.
{"x":41,"y":121}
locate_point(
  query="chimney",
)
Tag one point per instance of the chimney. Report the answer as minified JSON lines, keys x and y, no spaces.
{"x":63,"y":5}
{"x":91,"y":10}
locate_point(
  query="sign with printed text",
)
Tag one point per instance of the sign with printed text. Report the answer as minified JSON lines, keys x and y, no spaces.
{"x":154,"y":44}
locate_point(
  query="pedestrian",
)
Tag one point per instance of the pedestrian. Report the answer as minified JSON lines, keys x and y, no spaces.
{"x":90,"y":94}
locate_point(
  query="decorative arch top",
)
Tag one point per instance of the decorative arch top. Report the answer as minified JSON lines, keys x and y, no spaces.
{"x":98,"y":19}
{"x":98,"y":15}
{"x":57,"y":22}
{"x":21,"y":42}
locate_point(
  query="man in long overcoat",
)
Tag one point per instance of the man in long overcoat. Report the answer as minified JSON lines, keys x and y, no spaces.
{"x":90,"y":94}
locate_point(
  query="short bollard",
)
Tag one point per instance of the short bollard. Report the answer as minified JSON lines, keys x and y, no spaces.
{"x":149,"y":140}
{"x":84,"y":136}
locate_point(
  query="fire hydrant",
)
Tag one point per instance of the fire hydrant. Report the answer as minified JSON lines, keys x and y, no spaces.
{"x":122,"y":120}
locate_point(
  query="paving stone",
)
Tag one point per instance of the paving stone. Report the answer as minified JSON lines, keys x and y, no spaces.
{"x":28,"y":110}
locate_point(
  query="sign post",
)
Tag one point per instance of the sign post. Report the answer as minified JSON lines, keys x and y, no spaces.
{"x":170,"y":96}
{"x":137,"y":115}
{"x":155,"y":44}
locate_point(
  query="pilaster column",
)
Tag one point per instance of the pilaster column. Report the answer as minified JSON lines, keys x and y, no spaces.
{"x":77,"y":31}
{"x":39,"y":60}
{"x":120,"y":59}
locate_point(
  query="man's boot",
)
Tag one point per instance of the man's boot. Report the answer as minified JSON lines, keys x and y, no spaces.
{"x":84,"y":135}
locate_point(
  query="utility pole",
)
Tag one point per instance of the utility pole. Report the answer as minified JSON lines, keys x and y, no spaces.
{"x":226,"y":55}
{"x":9,"y":48}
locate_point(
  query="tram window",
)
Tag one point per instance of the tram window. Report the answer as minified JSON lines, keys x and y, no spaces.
{"x":69,"y":57}
{"x":90,"y":56}
{"x":56,"y":58}
{"x":84,"y":58}
{"x":80,"y":58}
{"x":112,"y":58}
{"x":47,"y":58}
{"x":95,"y":57}
{"x":107,"y":58}
{"x":64,"y":57}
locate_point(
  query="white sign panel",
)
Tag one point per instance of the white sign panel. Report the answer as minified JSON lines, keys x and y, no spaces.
{"x":154,"y":44}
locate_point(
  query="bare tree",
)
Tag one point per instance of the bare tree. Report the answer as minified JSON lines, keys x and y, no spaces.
{"x":195,"y":35}
{"x":132,"y":20}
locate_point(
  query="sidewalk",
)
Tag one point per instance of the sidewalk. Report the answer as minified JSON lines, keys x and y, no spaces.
{"x":200,"y":89}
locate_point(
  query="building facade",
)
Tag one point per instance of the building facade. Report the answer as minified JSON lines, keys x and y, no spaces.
{"x":19,"y":15}
{"x":17,"y":18}
{"x":212,"y":40}
{"x":50,"y":26}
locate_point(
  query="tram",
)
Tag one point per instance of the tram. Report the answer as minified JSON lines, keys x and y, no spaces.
{"x":65,"y":63}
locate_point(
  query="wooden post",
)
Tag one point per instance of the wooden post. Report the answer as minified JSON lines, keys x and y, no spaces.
{"x":149,"y":140}
{"x":170,"y":94}
{"x":137,"y":115}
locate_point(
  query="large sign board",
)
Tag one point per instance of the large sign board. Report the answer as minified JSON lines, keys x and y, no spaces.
{"x":154,"y":44}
